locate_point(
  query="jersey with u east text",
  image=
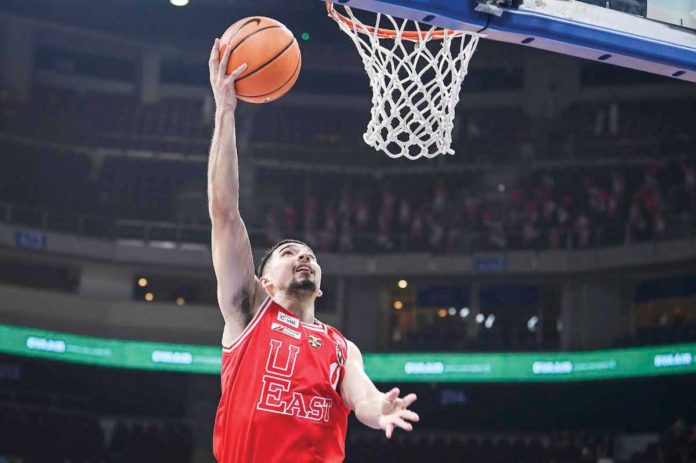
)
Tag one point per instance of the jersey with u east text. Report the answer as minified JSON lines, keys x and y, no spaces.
{"x":280,"y":398}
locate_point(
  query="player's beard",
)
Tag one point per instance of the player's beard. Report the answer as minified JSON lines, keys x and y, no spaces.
{"x":302,"y":288}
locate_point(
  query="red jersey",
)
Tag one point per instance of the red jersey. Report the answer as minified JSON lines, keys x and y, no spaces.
{"x":280,"y":400}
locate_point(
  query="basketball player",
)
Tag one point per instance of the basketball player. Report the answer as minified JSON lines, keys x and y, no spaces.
{"x":289,"y":381}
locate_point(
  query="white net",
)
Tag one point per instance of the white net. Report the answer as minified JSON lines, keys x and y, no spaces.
{"x":416,"y":72}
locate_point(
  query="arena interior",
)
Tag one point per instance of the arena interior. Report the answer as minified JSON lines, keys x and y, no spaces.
{"x":563,"y":229}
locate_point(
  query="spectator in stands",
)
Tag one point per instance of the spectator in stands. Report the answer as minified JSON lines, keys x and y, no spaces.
{"x":404,"y":214}
{"x":346,"y":239}
{"x":272,"y":225}
{"x":289,"y":219}
{"x":417,"y":232}
{"x":620,"y":205}
{"x":78,"y":437}
{"x":384,"y":242}
{"x":436,"y":233}
{"x":329,"y":233}
{"x":309,"y":213}
{"x":637,"y":227}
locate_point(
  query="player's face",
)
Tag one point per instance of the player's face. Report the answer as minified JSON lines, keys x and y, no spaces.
{"x":295,"y":268}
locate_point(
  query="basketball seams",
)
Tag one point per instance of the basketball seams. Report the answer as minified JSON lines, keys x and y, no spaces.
{"x":278,"y":55}
{"x":239,"y":29}
{"x":292,"y":76}
{"x":251,"y":35}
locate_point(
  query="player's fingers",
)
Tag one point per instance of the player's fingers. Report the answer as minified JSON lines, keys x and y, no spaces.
{"x":237,"y":71}
{"x":400,"y":404}
{"x":224,"y":61}
{"x":409,"y":415}
{"x":392,"y":395}
{"x":214,"y":54}
{"x":389,"y":429}
{"x":409,"y":399}
{"x":403,"y":424}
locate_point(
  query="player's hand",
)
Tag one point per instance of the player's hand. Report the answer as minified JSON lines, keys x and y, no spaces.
{"x":223,"y":85}
{"x":395,"y":412}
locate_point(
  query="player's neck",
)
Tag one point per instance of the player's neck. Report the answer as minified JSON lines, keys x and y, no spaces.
{"x":301,"y":307}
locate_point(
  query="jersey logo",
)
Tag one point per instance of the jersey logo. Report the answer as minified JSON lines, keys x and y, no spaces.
{"x":314,"y":341}
{"x":339,"y":341}
{"x":339,"y":356}
{"x":285,"y":330}
{"x":292,"y":321}
{"x":336,"y":367}
{"x":334,"y":375}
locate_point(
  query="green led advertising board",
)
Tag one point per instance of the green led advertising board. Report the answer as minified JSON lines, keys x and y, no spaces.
{"x":411,"y":367}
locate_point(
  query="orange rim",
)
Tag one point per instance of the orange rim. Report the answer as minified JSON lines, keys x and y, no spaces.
{"x":414,"y":36}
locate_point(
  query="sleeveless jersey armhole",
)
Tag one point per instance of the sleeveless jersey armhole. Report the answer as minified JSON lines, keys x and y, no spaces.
{"x":247,"y":329}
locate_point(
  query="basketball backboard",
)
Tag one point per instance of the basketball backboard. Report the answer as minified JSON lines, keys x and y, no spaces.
{"x":657,"y":36}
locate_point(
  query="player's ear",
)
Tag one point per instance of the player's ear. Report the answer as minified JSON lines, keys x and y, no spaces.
{"x":319,"y":293}
{"x":266,"y":283}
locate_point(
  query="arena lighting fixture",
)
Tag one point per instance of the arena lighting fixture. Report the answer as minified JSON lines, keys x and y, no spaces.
{"x":464,"y":312}
{"x":532,"y":322}
{"x":180,"y":301}
{"x":489,"y":321}
{"x":442,"y":313}
{"x":179,"y":2}
{"x":142,"y":282}
{"x":149,"y":297}
{"x":398,"y":305}
{"x":480,"y":317}
{"x":452,"y":311}
{"x":402,"y":284}
{"x":162,"y":244}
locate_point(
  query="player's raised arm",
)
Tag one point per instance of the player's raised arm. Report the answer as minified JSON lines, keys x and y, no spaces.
{"x":238,"y":290}
{"x":375,"y":409}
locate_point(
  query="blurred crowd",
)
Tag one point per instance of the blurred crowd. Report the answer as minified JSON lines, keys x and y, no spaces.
{"x":451,"y":334}
{"x":107,"y":120}
{"x":565,"y":209}
{"x":677,"y":444}
{"x":37,"y":435}
{"x":673,"y":333}
{"x":587,"y":130}
{"x":561,"y":447}
{"x":552,"y":207}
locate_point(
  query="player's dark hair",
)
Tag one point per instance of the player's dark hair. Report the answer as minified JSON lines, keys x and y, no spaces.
{"x":269,"y":253}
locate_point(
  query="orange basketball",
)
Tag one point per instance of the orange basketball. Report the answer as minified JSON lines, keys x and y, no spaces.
{"x":271,"y":53}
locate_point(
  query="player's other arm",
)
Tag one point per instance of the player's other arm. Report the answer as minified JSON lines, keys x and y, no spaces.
{"x":238,"y":289}
{"x":372,"y":407}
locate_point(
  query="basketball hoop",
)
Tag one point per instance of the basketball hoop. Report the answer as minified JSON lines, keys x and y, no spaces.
{"x":415,"y":88}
